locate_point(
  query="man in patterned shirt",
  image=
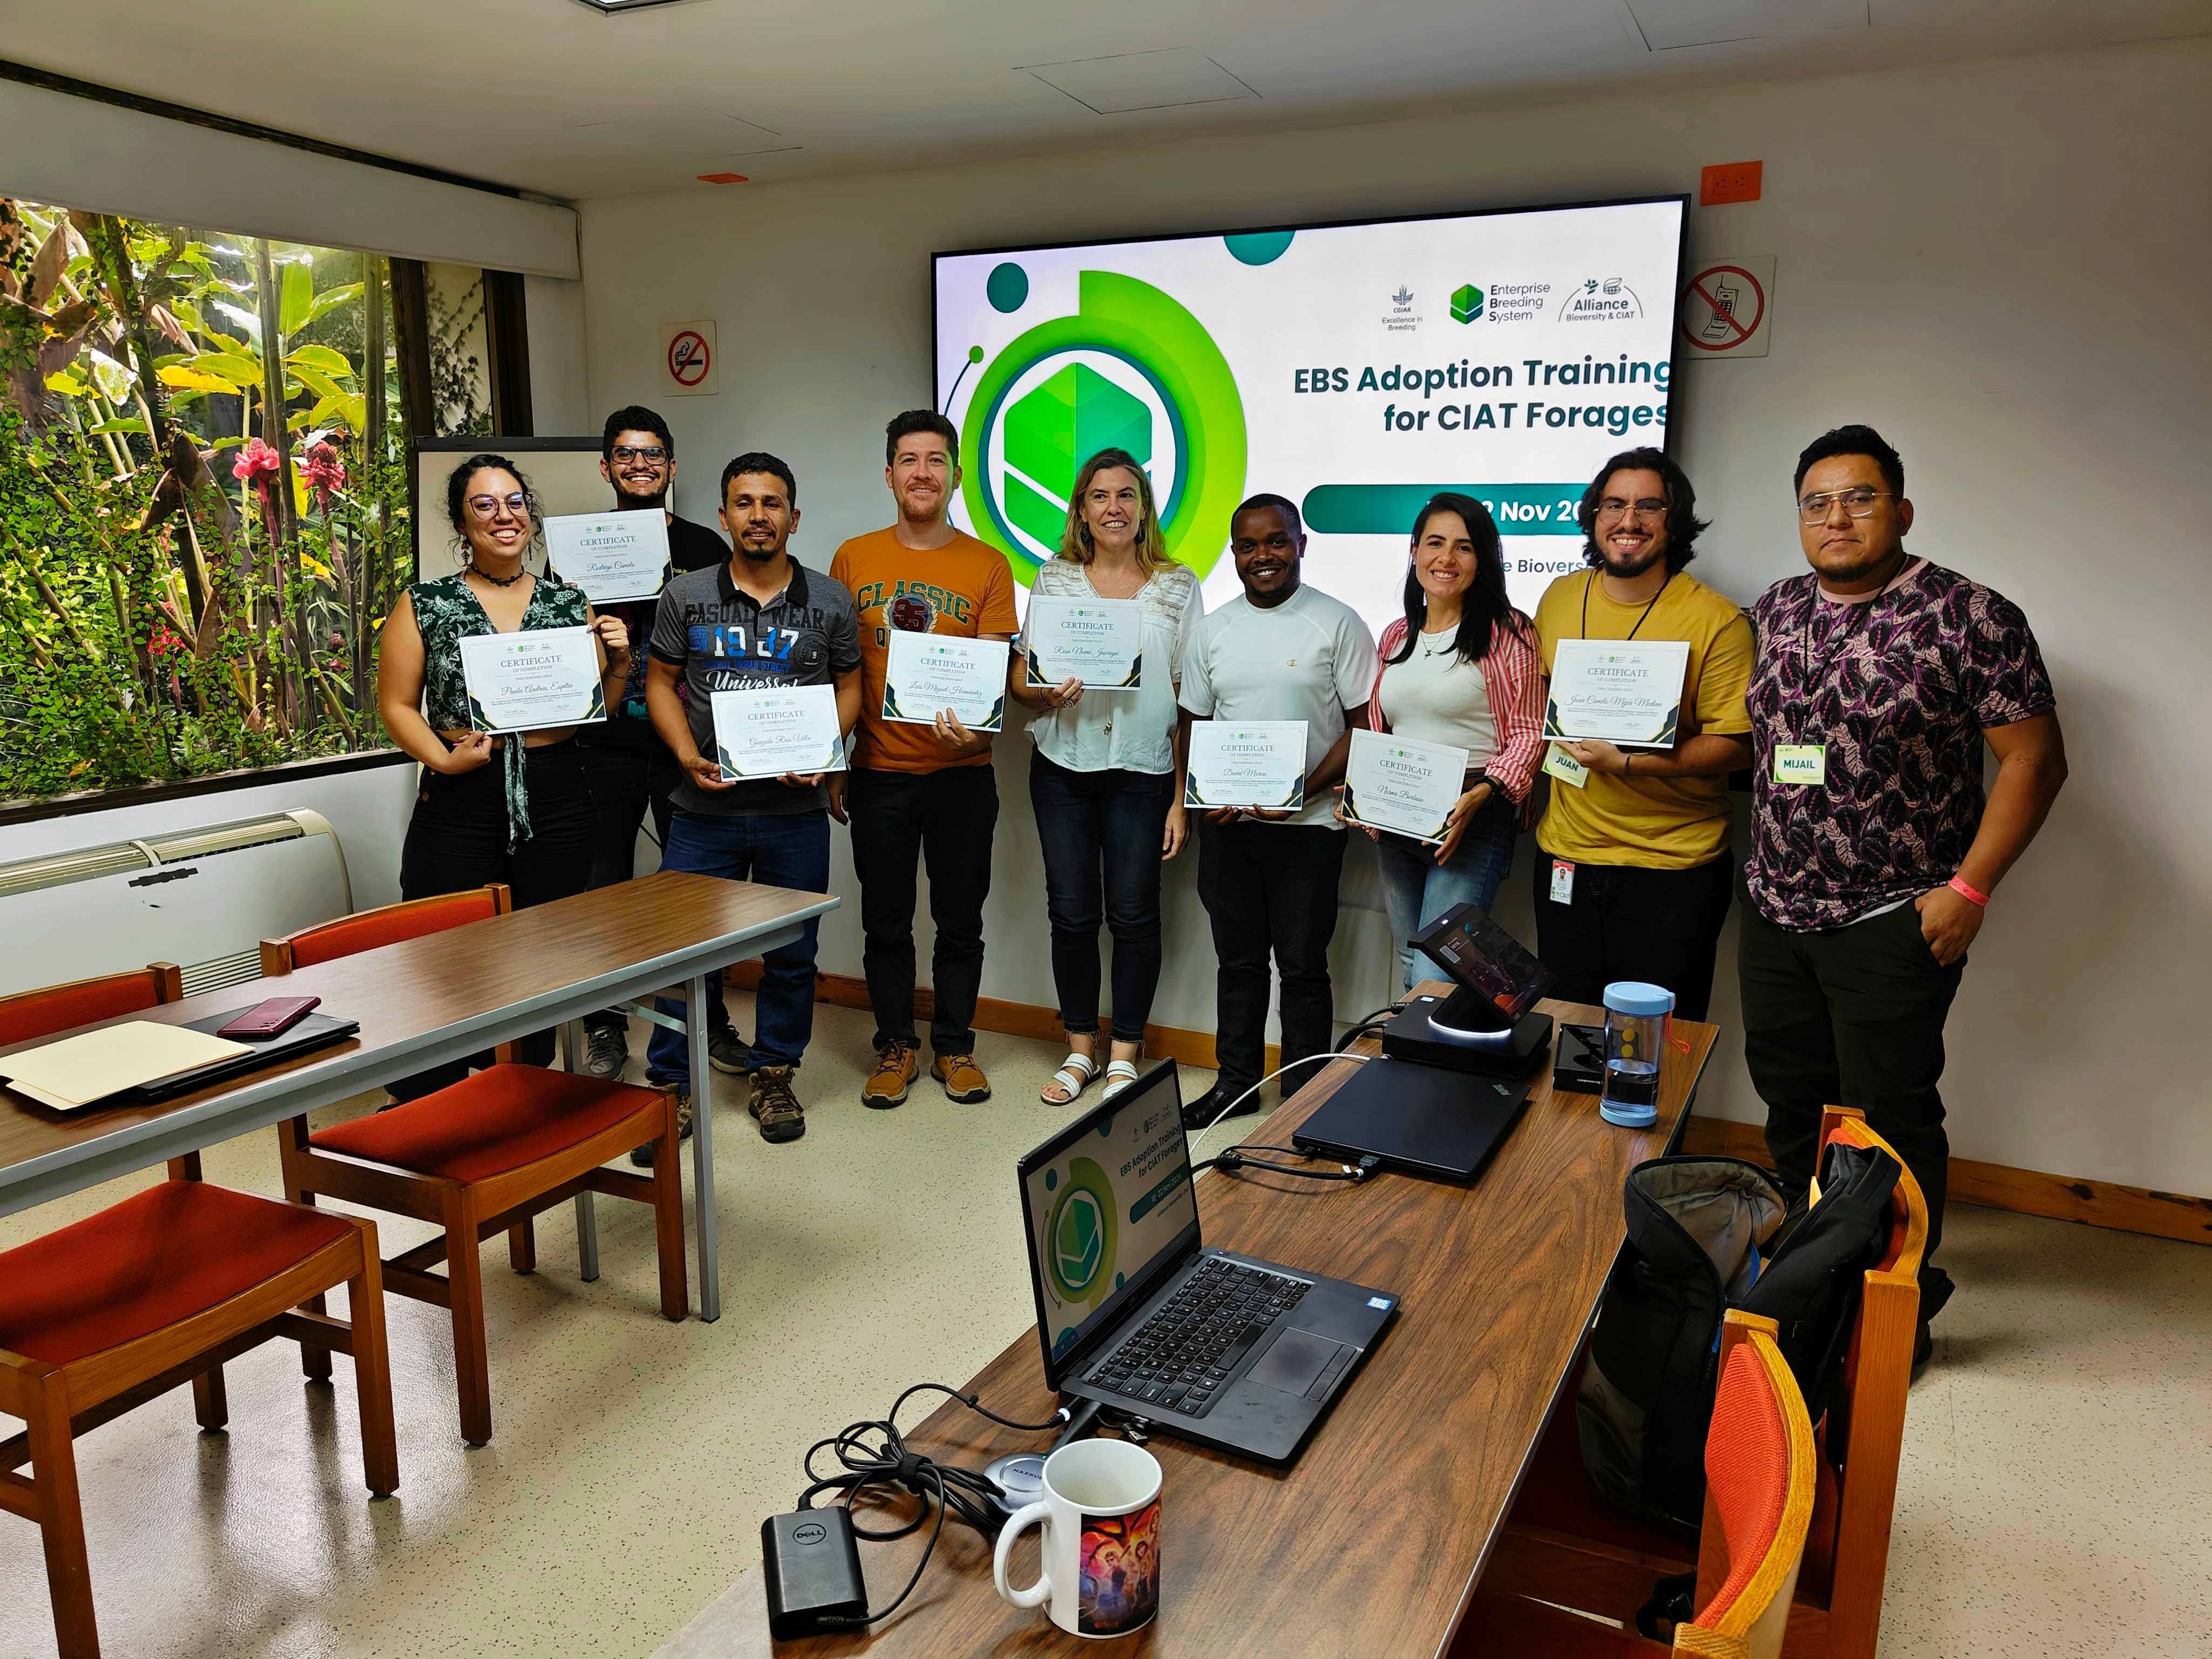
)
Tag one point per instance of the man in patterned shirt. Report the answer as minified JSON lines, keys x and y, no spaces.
{"x":1878,"y":679}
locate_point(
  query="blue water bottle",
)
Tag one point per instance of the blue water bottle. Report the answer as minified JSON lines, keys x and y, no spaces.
{"x":1636,"y":1018}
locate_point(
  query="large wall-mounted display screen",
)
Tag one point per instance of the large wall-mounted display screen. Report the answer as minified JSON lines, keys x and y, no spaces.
{"x":1355,"y":369}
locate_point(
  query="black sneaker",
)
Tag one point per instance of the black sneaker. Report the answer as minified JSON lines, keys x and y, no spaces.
{"x":725,"y":1050}
{"x":775,"y":1106}
{"x":642,"y":1156}
{"x":606,"y":1052}
{"x":1199,"y":1114}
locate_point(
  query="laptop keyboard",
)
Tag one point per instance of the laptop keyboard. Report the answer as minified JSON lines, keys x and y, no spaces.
{"x":1179,"y":1357}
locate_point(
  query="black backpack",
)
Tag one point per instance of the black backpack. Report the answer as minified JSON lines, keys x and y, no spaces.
{"x":1705,"y":1235}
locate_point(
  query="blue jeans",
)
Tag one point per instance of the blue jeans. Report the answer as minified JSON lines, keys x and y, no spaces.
{"x":777,"y":850}
{"x":1417,"y":889}
{"x":1101,"y":832}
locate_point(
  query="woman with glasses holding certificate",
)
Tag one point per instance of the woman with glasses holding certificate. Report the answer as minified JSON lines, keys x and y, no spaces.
{"x":1107,"y":620}
{"x":1459,"y":670}
{"x":483,"y":676}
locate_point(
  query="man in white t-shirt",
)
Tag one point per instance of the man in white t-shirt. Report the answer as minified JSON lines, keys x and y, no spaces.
{"x":1280,"y":650}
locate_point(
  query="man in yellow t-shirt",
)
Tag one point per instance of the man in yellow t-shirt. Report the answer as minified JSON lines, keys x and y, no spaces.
{"x":922,"y":791}
{"x":1633,"y":876}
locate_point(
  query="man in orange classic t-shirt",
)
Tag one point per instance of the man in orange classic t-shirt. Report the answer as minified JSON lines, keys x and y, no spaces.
{"x":922,"y":791}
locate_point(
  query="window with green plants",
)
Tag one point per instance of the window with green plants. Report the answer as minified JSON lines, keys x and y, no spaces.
{"x":203,"y":501}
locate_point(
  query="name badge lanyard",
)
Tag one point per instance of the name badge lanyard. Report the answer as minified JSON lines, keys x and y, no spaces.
{"x":1590,"y":582}
{"x":1815,"y":680}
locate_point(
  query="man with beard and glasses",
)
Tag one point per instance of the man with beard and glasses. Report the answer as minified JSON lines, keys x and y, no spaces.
{"x":629,"y":769}
{"x":760,"y":620}
{"x":922,"y":794}
{"x":1633,"y":875}
{"x":1279,"y":651}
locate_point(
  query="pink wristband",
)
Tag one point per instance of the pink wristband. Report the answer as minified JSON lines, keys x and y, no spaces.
{"x":1972,"y":896}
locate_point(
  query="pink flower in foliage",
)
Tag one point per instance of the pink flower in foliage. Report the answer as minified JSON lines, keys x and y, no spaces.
{"x":325,"y":471}
{"x":255,"y":458}
{"x":162,"y":641}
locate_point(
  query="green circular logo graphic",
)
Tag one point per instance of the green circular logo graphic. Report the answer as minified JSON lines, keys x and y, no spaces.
{"x":1133,"y":369}
{"x":1079,"y":1234}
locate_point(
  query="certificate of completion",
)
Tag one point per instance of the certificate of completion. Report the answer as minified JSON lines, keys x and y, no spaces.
{"x":1628,"y":693}
{"x":924,"y":672}
{"x":1406,"y":787}
{"x":1245,"y":763}
{"x":778,"y":729}
{"x":528,"y":681}
{"x":1098,"y":641}
{"x":610,"y":555}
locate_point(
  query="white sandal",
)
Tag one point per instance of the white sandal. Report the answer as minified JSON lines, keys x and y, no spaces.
{"x":1074,"y":1075}
{"x":1119,"y":1074}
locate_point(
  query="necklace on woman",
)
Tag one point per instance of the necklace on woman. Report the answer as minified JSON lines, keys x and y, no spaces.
{"x":475,"y":570}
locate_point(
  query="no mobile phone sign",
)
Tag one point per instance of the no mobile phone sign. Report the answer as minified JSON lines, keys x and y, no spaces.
{"x":1726,"y":306}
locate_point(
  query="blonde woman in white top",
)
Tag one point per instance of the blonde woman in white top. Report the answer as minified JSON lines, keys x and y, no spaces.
{"x":1105,"y":782}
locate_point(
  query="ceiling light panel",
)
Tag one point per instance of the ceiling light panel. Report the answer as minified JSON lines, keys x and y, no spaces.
{"x":1143,"y":80}
{"x":1672,"y":25}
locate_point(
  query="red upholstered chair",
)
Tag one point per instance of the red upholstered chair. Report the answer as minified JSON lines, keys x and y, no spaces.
{"x":1759,"y":1504}
{"x":1560,"y":1544}
{"x":481,"y":1157}
{"x":102,"y":1316}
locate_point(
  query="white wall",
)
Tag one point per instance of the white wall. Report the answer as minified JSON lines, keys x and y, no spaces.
{"x":2000,"y":266}
{"x":80,"y":153}
{"x":560,"y":401}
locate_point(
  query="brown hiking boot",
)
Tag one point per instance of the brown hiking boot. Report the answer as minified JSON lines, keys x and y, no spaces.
{"x":962,"y":1078}
{"x":896,"y":1068}
{"x":775,"y":1106}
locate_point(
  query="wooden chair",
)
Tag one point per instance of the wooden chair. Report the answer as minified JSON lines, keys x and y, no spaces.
{"x":1561,"y":1544}
{"x":102,"y":1316}
{"x":1759,"y":1504}
{"x":480,"y":1157}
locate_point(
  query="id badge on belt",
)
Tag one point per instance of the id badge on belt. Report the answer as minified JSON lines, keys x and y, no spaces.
{"x":1563,"y":882}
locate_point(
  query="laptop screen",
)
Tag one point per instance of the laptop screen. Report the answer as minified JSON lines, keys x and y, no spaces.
{"x":1108,"y":1206}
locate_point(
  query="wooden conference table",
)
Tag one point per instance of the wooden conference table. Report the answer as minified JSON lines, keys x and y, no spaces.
{"x":1372,"y":1542}
{"x":426,"y":1001}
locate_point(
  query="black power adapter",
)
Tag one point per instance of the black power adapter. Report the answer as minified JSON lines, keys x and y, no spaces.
{"x":811,"y":1563}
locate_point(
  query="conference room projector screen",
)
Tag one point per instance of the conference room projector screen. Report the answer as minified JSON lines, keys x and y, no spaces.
{"x":1355,"y":369}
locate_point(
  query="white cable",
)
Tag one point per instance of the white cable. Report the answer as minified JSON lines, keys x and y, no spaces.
{"x":1307,"y":1059}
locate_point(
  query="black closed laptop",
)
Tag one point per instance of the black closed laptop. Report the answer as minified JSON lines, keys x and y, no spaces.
{"x":1135,"y":1311}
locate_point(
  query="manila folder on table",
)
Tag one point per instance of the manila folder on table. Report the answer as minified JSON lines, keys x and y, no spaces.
{"x":80,"y":1070}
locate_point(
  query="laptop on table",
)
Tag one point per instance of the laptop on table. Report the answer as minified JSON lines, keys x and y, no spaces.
{"x":1135,"y":1311}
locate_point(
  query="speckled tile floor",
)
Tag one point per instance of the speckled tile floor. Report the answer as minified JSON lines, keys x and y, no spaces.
{"x":2054,"y":1468}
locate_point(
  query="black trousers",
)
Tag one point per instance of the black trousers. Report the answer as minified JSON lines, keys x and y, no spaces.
{"x":1661,"y":927}
{"x":457,"y":839}
{"x":1101,"y":832}
{"x":943,"y":820}
{"x":1852,"y":1017}
{"x":1269,"y":888}
{"x":627,"y":781}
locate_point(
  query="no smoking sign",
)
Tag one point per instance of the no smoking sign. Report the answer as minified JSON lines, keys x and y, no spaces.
{"x":1727,"y":306}
{"x":687,"y":368}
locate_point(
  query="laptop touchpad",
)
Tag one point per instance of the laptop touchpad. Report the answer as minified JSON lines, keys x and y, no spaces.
{"x":1294,"y":1361}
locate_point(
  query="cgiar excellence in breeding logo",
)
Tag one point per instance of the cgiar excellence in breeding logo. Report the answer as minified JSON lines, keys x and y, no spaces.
{"x":1132,"y":369}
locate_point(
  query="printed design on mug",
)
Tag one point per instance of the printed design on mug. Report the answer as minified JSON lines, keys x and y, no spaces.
{"x":1120,"y":1564}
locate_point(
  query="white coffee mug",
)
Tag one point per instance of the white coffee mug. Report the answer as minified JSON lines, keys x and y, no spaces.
{"x":1101,"y":1567}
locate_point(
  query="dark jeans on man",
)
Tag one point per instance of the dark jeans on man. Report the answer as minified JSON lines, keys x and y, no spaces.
{"x":944,"y":819}
{"x":1852,"y":1017}
{"x":777,"y":850}
{"x":1101,"y":832}
{"x":457,"y":839}
{"x":1661,"y":927}
{"x":1269,"y":887}
{"x":628,"y":779}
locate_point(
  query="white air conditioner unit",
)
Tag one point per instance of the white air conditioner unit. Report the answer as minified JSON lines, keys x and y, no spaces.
{"x":204,"y":898}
